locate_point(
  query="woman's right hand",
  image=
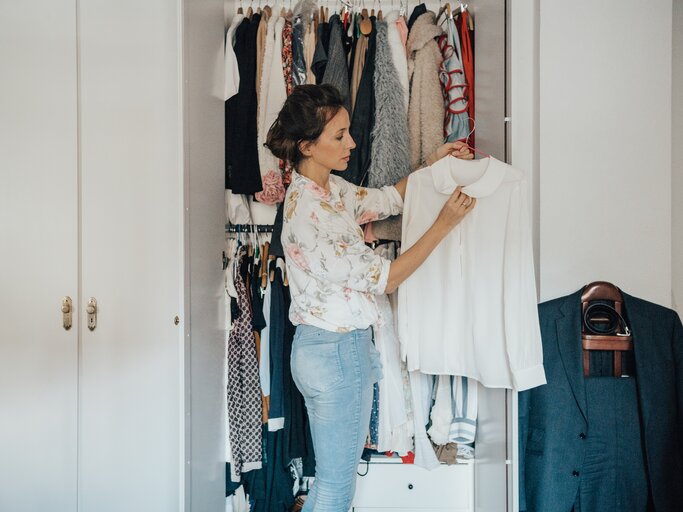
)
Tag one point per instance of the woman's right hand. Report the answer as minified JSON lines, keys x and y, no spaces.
{"x":455,"y":209}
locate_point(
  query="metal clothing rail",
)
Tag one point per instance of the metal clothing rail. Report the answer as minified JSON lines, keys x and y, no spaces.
{"x":249,"y":228}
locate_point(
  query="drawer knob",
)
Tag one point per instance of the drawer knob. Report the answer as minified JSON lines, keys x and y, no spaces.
{"x":410,"y":486}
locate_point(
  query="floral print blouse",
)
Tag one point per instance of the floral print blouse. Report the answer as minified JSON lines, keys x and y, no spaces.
{"x":333,"y":275}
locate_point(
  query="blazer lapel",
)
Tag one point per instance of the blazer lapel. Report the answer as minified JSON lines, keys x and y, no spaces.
{"x":569,"y":344}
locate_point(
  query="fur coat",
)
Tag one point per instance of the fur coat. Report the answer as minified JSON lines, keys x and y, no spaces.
{"x":426,"y":111}
{"x":390,"y":160}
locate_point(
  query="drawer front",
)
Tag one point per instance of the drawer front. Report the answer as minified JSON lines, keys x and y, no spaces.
{"x":373,"y":509}
{"x":407,"y":487}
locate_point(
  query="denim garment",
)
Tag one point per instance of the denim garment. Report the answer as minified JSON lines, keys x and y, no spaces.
{"x":335,"y":373}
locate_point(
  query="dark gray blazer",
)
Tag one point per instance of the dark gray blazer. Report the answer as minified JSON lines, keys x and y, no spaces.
{"x":552,"y":421}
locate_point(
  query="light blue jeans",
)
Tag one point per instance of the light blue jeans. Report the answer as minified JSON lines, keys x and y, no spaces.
{"x":335,"y":373}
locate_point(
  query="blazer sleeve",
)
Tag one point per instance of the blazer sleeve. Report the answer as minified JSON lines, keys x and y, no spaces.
{"x":522,"y":329}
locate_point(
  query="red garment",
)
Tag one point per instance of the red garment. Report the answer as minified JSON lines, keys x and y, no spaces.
{"x":466,"y":44}
{"x":408,"y":458}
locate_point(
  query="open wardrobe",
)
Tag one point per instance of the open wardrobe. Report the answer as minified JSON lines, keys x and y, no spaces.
{"x":146,"y":324}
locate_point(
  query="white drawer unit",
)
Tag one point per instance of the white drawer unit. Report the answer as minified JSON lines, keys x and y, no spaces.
{"x":404,"y":487}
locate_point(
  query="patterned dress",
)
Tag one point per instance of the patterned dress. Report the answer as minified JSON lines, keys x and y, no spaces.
{"x":243,"y":387}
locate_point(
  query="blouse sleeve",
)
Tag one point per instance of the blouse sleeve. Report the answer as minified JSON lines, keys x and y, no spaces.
{"x":329,"y":248}
{"x":371,"y":204}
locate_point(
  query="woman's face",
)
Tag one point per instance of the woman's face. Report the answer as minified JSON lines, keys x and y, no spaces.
{"x":333,"y":148}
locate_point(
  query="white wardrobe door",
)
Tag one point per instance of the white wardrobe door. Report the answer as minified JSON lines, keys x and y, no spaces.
{"x":131,"y":441}
{"x":38,"y":255}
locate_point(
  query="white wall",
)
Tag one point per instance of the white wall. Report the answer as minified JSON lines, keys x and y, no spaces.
{"x":605,"y":147}
{"x":677,"y":156}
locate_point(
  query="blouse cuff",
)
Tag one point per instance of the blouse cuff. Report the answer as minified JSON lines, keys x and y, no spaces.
{"x":381,"y":285}
{"x":396,"y":201}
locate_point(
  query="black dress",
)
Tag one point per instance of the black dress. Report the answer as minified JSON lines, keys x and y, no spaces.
{"x":242,"y":172}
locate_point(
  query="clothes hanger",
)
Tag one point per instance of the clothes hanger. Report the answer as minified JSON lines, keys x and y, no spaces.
{"x":271,"y":267}
{"x":442,"y":8}
{"x":264,"y":265}
{"x":365,"y":24}
{"x":601,"y":324}
{"x":240,"y":10}
{"x":465,"y":11}
{"x":379,"y":12}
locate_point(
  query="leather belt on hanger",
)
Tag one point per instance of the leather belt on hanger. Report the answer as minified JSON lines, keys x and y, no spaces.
{"x":612,"y":327}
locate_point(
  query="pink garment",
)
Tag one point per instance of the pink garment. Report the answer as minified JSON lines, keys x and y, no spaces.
{"x":402,"y":31}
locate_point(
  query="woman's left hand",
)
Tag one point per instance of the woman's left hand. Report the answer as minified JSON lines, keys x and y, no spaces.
{"x":458,"y":149}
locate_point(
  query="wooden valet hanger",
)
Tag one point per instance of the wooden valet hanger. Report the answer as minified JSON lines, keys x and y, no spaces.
{"x":603,"y":326}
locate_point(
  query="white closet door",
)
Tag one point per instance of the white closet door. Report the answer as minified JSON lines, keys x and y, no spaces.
{"x":38,"y":255}
{"x":131,"y":454}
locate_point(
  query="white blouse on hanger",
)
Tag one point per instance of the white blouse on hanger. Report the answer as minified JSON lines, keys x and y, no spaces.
{"x":470,"y":309}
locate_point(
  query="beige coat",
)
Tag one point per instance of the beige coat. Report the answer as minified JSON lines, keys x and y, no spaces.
{"x":426,"y":109}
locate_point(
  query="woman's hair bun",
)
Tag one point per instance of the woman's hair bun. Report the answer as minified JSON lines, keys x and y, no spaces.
{"x":302,"y":118}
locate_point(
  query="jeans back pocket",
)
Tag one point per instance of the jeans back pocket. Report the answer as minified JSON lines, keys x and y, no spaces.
{"x":317,"y":367}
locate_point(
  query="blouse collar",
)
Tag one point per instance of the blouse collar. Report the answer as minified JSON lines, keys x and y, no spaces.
{"x":449,"y":172}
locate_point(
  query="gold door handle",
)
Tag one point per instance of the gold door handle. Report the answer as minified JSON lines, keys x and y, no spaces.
{"x":66,"y":312}
{"x":91,"y":311}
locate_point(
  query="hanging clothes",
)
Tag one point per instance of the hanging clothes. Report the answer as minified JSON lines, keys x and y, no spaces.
{"x":298,"y":56}
{"x":463,"y":22}
{"x":278,"y":315}
{"x":287,"y":66}
{"x":397,"y":36}
{"x":273,"y":95}
{"x":452,"y":76}
{"x":242,"y":174}
{"x":244,"y":391}
{"x":396,"y":426}
{"x":363,"y":119}
{"x":232,"y":72}
{"x":337,"y":71}
{"x":426,"y":110}
{"x":287,"y":58}
{"x":319,"y":62}
{"x":465,"y":403}
{"x":260,"y":52}
{"x":309,"y":52}
{"x":419,"y":10}
{"x":421,"y":391}
{"x":358,"y":63}
{"x":390,"y":157}
{"x":270,"y":488}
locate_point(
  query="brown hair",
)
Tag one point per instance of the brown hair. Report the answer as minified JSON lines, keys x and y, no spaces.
{"x":302,"y":118}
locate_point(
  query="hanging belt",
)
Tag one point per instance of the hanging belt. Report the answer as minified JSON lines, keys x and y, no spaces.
{"x":615,"y":322}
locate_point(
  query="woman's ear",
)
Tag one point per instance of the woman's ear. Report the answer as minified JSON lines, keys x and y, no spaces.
{"x":305,"y":147}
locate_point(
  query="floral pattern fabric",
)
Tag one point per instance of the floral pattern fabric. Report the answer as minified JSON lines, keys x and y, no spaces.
{"x":287,"y":65}
{"x":333,"y":275}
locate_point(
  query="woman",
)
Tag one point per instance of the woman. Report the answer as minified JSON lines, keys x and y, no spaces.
{"x":334,"y":276}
